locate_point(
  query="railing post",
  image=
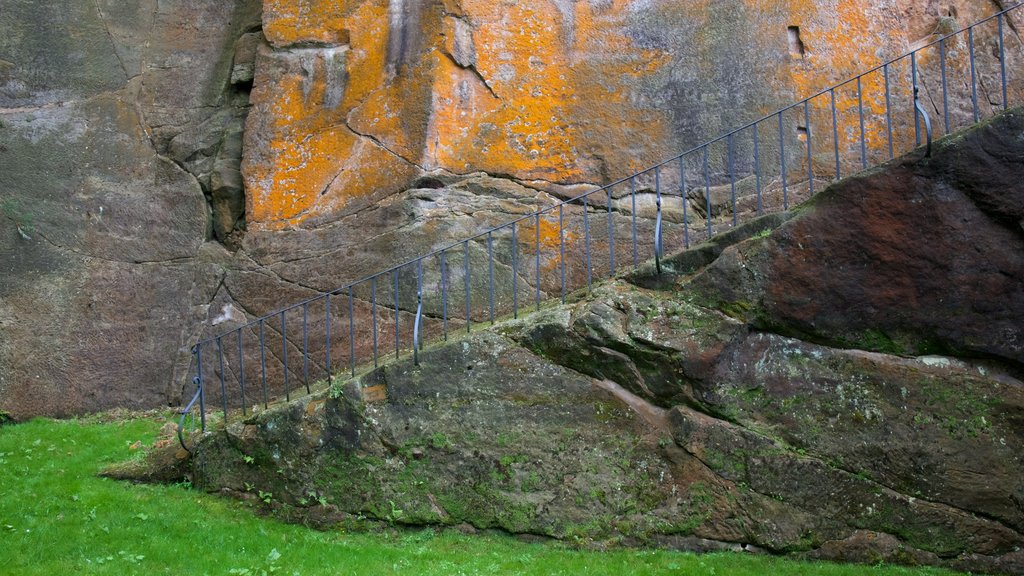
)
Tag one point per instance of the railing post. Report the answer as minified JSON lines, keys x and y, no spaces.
{"x":419,"y":314}
{"x":444,"y":294}
{"x":1002,"y":62}
{"x":810,"y":165}
{"x":373,"y":314}
{"x":515,"y":272}
{"x":927,"y":124}
{"x":917,"y":108}
{"x":223,"y":388}
{"x":351,"y":331}
{"x":730,"y":155}
{"x":241,"y":371}
{"x":327,"y":338}
{"x":284,"y":356}
{"x":202,"y":387}
{"x":657,"y":221}
{"x":198,"y":396}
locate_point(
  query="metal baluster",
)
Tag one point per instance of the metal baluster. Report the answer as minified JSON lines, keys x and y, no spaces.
{"x":202,"y":387}
{"x":223,"y":387}
{"x":586,"y":237}
{"x":913,"y":84}
{"x":373,"y":315}
{"x":469,"y":304}
{"x":241,"y":371}
{"x":632,"y":195}
{"x":537,"y":255}
{"x":327,"y":341}
{"x":835,"y":132}
{"x":927,"y":124}
{"x":490,"y":273}
{"x":561,"y":246}
{"x":1002,"y":61}
{"x":611,"y":236}
{"x":284,"y":356}
{"x":657,"y":221}
{"x":888,"y":110}
{"x":974,"y":81}
{"x":732,"y":176}
{"x":945,"y":94}
{"x":682,"y":196}
{"x":757,"y":170}
{"x":305,"y":345}
{"x":860,"y":113}
{"x":707,"y":190}
{"x":810,"y":168}
{"x":198,"y":381}
{"x":444,"y":293}
{"x":515,"y":272}
{"x":395,"y":302}
{"x":782,"y":160}
{"x":351,"y":332}
{"x":263,"y":366}
{"x":419,"y":314}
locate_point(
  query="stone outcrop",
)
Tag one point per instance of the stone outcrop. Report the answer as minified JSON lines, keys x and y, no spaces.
{"x":939,"y":264}
{"x":703,"y":408}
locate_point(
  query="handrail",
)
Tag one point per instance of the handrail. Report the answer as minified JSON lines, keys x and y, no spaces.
{"x":583,"y":199}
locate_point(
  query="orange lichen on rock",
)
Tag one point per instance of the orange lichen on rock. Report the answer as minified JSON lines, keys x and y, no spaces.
{"x":837,"y":49}
{"x":303,"y":157}
{"x":304,"y":22}
{"x":356,"y":97}
{"x":493,"y":87}
{"x":553,"y":236}
{"x":537,"y":73}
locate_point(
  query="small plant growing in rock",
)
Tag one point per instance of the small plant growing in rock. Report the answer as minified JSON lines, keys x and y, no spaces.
{"x":336,"y":390}
{"x":24,"y":220}
{"x":396,"y":513}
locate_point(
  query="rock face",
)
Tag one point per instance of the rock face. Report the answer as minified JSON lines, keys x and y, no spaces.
{"x":716,"y":406}
{"x":352,"y":99}
{"x":170,"y":169}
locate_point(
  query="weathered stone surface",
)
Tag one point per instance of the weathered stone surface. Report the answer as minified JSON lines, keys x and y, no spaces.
{"x":917,"y":257}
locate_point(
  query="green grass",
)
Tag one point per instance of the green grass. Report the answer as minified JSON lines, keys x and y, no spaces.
{"x":58,"y":517}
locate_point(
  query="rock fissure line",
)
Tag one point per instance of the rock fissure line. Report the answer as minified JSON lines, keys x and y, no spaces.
{"x":380,"y":144}
{"x":476,"y":73}
{"x":113,"y":44}
{"x":40,"y":234}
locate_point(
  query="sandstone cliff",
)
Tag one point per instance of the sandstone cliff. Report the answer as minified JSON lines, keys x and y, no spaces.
{"x":792,"y":388}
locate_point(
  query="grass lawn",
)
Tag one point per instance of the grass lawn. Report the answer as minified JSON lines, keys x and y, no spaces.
{"x":58,"y":517}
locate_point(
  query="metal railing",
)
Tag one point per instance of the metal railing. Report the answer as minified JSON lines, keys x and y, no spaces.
{"x":763,"y":166}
